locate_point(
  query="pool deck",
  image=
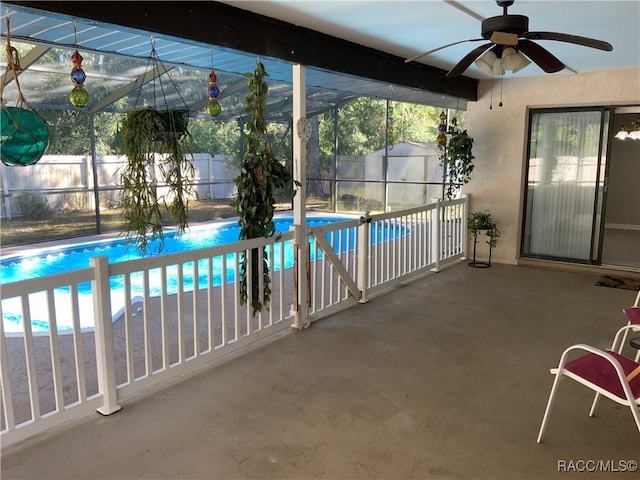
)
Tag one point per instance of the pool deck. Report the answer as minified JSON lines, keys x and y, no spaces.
{"x":445,"y":378}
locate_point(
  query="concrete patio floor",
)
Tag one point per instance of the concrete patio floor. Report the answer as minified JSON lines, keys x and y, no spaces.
{"x":443,"y":378}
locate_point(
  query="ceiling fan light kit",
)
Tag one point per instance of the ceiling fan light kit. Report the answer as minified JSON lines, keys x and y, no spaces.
{"x":509,"y":61}
{"x":510,"y":33}
{"x":634,"y":134}
{"x":486,"y":61}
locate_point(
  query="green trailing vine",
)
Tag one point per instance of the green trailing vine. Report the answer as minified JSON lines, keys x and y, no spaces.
{"x":147,"y":132}
{"x":261,"y":174}
{"x":456,"y":156}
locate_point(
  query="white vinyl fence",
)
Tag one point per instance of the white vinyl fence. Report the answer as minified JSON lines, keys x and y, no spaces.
{"x":66,"y":182}
{"x":182,"y":312}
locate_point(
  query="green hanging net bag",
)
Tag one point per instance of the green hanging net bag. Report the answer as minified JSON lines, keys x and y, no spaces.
{"x":25,"y":135}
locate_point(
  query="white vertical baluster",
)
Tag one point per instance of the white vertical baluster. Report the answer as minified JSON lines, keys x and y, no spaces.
{"x":223,"y":303}
{"x":146,"y":315}
{"x":164,"y":319}
{"x":54,"y":346}
{"x":180,"y":314}
{"x":5,"y":379}
{"x":236,"y":317}
{"x":196,"y":308}
{"x":128,"y":320}
{"x":249,"y":278}
{"x":210,"y":302}
{"x":77,"y":344}
{"x":30,"y":359}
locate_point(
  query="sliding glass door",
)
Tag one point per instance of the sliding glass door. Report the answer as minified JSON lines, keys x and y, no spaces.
{"x":565,"y":184}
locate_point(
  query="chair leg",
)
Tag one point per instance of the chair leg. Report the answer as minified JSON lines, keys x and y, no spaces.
{"x":547,"y":412}
{"x":635,"y":410}
{"x":596,"y":399}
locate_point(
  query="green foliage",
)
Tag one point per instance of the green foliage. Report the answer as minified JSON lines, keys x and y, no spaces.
{"x":477,"y":221}
{"x":413,"y":123}
{"x":34,"y":207}
{"x":261,"y":174}
{"x":68,"y":132}
{"x":215,"y":137}
{"x":457,"y":159}
{"x":361,"y":126}
{"x":146,"y":131}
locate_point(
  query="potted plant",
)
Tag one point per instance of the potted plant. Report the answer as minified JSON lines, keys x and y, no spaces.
{"x":152,"y":138}
{"x":261,"y":174}
{"x":482,"y":221}
{"x":456,"y":156}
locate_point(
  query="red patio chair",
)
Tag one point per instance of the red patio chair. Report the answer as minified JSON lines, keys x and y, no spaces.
{"x":633,"y":319}
{"x":605,"y":371}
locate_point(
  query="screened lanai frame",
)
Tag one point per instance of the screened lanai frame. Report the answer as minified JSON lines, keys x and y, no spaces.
{"x":116,"y":58}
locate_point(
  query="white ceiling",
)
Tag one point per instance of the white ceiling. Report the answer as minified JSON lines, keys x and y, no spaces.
{"x":406,"y":28}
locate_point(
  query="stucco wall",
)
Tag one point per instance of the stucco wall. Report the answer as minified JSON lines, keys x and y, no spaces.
{"x":500,"y":136}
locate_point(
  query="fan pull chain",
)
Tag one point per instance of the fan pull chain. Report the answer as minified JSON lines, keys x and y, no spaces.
{"x":501,"y":82}
{"x":491,"y":94}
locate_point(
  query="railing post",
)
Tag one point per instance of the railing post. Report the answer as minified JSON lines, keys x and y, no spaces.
{"x":465,"y":232}
{"x":105,"y":357}
{"x":300,"y":307}
{"x":436,"y":235}
{"x":363,"y":256}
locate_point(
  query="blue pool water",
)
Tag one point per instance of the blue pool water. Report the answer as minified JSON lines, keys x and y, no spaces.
{"x":57,"y":260}
{"x":52,"y":261}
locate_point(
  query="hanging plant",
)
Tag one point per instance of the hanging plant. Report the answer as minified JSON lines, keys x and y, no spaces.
{"x":261,"y":174}
{"x":155,"y":138}
{"x":149,"y":135}
{"x":456,"y":157}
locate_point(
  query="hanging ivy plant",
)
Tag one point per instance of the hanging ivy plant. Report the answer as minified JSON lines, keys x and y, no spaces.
{"x":147,"y":133}
{"x":456,"y":157}
{"x":261,"y":174}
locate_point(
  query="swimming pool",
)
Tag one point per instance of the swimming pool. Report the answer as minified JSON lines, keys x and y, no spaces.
{"x":50,"y":261}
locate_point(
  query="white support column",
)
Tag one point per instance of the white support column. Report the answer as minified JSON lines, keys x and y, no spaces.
{"x":301,"y":306}
{"x":105,"y":356}
{"x":465,"y":232}
{"x":363,"y":256}
{"x":436,"y":235}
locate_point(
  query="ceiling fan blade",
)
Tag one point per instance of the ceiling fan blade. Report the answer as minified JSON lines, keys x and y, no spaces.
{"x":468,"y":60}
{"x":540,"y":56}
{"x":568,"y":38}
{"x":429,"y":52}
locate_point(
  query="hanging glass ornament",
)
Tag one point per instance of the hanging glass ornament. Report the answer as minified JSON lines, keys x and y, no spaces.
{"x":442,"y":129}
{"x":78,"y":97}
{"x":213,"y":107}
{"x":25,"y":135}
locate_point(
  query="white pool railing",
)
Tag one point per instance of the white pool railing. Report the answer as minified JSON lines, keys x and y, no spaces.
{"x":50,"y":380}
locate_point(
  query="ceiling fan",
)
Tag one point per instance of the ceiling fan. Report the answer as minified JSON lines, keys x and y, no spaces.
{"x":510,"y":34}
